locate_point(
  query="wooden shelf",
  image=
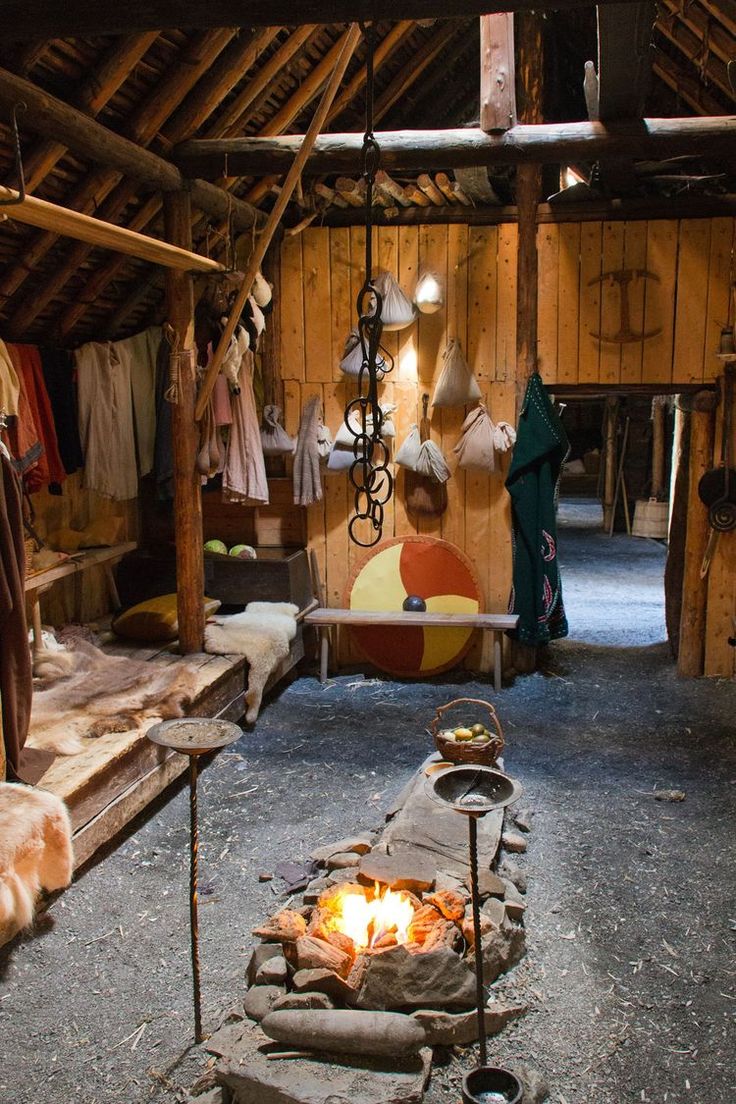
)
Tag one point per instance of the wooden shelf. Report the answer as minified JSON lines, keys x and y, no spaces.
{"x":79,"y":561}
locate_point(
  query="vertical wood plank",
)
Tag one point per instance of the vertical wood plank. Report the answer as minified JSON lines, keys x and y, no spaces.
{"x":635,"y":256}
{"x":342,"y":311}
{"x":611,"y":308}
{"x":506,"y":303}
{"x":720,"y":276}
{"x":406,"y":368}
{"x":692,"y":299}
{"x":568,"y":302}
{"x":482,"y":300}
{"x":290,"y":302}
{"x":659,"y":301}
{"x":431,"y":339}
{"x":451,"y":420}
{"x":317,"y":306}
{"x":589,"y":318}
{"x":548,"y":309}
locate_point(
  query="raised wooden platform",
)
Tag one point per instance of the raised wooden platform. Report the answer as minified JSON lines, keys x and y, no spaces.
{"x":121,"y":773}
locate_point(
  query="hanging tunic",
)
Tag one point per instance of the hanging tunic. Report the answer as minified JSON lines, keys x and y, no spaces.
{"x":49,"y":471}
{"x":140,"y":353}
{"x":9,"y":385}
{"x":532,"y":482}
{"x":106,"y":421}
{"x":58,"y":374}
{"x":244,"y":475}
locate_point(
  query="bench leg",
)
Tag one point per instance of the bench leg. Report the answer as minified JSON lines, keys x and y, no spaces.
{"x":324,"y":652}
{"x":497,"y":661}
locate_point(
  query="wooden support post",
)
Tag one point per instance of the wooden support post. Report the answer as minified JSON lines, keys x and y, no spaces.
{"x":497,"y":74}
{"x":694,"y":589}
{"x":609,"y":462}
{"x":675,"y":565}
{"x":658,"y":464}
{"x":187,"y":491}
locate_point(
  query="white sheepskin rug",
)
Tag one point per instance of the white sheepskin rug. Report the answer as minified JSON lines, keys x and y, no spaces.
{"x":86,"y":693}
{"x":35,"y":852}
{"x":262,"y":634}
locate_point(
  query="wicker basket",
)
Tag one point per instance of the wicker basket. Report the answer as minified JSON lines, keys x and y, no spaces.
{"x":455,"y":751}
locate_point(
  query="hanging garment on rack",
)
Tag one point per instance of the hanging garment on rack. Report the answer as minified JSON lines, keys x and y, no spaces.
{"x":163,"y":461}
{"x":106,"y":421}
{"x":140,"y":352}
{"x":9,"y":385}
{"x":307,"y":477}
{"x":16,"y":684}
{"x":244,"y":476}
{"x":58,"y":374}
{"x":50,"y":470}
{"x":23,"y":438}
{"x":532,"y":482}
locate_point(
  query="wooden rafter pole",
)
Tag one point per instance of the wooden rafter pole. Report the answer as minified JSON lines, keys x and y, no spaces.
{"x":22,"y":21}
{"x":274,"y":218}
{"x":187,"y":483}
{"x":466,"y":147}
{"x":497,"y":73}
{"x":104,"y":235}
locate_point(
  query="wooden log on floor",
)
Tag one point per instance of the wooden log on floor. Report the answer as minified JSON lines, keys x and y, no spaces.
{"x":187,"y":483}
{"x":417,"y":150}
{"x":691,"y":653}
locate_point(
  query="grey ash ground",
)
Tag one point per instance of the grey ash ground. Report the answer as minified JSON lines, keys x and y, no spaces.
{"x":630,"y":974}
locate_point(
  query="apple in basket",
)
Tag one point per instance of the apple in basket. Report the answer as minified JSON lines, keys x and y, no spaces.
{"x":477,"y":735}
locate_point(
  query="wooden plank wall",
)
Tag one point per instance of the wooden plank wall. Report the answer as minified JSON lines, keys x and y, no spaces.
{"x":322,"y":271}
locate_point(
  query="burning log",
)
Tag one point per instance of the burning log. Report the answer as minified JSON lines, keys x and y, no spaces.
{"x":443,"y":934}
{"x":315,"y":954}
{"x":285,"y":927}
{"x":341,"y":941}
{"x":449,"y":902}
{"x":425,"y":919}
{"x":358,"y":972}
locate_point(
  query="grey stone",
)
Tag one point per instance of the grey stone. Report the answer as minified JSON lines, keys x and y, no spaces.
{"x":514,"y":902}
{"x":459,"y":1028}
{"x":343,"y":860}
{"x":522,"y":818}
{"x":396,"y":978}
{"x":323,"y":981}
{"x":274,"y":971}
{"x":444,"y":880}
{"x":410,"y":869}
{"x":489,"y":884}
{"x":493,"y":910}
{"x":253,"y":1078}
{"x":536,"y":1089}
{"x":303,"y":1000}
{"x":348,"y":874}
{"x":218,"y":1095}
{"x":315,"y":889}
{"x":259,"y":1000}
{"x":223,"y":1039}
{"x":513,"y":842}
{"x":346,"y":1031}
{"x":359,"y":844}
{"x":509,"y":871}
{"x":261,"y":954}
{"x":502,"y":948}
{"x":425,"y":825}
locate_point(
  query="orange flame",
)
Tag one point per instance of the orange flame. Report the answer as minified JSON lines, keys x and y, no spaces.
{"x":366,"y":920}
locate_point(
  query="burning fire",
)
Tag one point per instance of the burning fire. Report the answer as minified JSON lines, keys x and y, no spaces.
{"x":367,"y":920}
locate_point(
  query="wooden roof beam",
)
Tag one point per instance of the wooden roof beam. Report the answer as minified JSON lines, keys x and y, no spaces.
{"x":691,"y":46}
{"x":416,"y":150}
{"x":83,"y":18}
{"x":497,"y":73}
{"x":624,"y":59}
{"x":689,"y":89}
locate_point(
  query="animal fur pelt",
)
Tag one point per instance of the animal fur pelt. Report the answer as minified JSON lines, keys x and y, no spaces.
{"x":35,"y":852}
{"x":262,"y":634}
{"x":86,"y":693}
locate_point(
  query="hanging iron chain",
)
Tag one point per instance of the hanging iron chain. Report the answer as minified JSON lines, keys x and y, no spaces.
{"x":369,"y":471}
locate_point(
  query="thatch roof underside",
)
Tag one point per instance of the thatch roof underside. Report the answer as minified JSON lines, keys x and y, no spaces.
{"x":158,"y":88}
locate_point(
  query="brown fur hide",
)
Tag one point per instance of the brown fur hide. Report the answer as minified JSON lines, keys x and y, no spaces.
{"x":35,"y":852}
{"x":86,"y":693}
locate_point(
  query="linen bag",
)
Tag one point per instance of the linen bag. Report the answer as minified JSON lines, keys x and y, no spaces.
{"x":432,"y":463}
{"x":343,"y":454}
{"x":261,"y":290}
{"x":457,"y":385}
{"x":397,"y":311}
{"x":428,"y":293}
{"x":504,"y":437}
{"x":352,"y":357}
{"x":475,"y":449}
{"x":274,"y":438}
{"x":408,"y":452}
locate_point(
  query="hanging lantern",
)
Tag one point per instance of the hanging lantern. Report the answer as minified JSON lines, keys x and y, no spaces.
{"x":369,"y":472}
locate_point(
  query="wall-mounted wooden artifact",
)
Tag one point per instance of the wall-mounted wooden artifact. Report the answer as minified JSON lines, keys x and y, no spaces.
{"x":623,"y":277}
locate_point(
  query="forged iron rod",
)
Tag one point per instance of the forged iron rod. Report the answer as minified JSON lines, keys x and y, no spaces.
{"x":480,"y":997}
{"x":194,"y":896}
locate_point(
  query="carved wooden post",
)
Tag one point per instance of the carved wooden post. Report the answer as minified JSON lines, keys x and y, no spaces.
{"x":691,"y":653}
{"x":187,"y":493}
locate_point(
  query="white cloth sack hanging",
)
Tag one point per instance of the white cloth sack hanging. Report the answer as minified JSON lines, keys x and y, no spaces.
{"x":343,"y":454}
{"x":274,"y":438}
{"x":261,"y":290}
{"x":432,"y":463}
{"x":397,"y":311}
{"x":428,"y":293}
{"x":504,"y":437}
{"x":457,"y":385}
{"x":259,"y":319}
{"x":352,"y":356}
{"x":408,"y":452}
{"x":475,"y":449}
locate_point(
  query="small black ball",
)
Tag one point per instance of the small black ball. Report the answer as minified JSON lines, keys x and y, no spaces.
{"x":414,"y":604}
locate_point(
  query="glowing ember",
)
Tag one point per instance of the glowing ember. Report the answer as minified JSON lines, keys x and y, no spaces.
{"x":367,"y":919}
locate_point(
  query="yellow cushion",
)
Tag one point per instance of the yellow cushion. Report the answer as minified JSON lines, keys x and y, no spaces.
{"x":154,"y":621}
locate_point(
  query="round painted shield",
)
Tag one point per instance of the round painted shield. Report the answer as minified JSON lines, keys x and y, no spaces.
{"x":422,"y":567}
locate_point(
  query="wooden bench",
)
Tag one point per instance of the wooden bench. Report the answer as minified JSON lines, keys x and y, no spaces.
{"x":495,"y":623}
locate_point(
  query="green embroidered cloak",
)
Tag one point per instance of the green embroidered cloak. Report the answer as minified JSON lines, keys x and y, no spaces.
{"x":540,"y":450}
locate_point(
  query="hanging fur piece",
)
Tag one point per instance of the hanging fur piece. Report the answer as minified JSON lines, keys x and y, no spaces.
{"x":398,"y":312}
{"x":457,"y":385}
{"x":274,"y":438}
{"x":428,"y":293}
{"x":233,"y":359}
{"x":476,"y":448}
{"x":352,"y":357}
